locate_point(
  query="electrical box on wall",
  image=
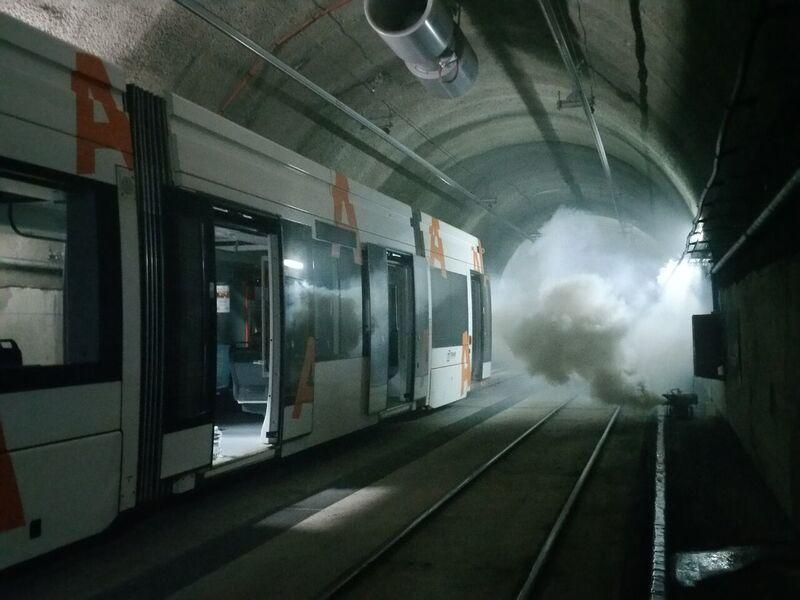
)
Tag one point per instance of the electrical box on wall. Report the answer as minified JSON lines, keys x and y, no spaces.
{"x":709,"y":352}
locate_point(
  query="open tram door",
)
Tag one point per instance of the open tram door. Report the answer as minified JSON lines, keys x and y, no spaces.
{"x":220,"y":328}
{"x":397,"y":332}
{"x":247,"y":308}
{"x":481,"y":326}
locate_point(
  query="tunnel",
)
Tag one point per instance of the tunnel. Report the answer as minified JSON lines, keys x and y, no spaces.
{"x":621,"y":177}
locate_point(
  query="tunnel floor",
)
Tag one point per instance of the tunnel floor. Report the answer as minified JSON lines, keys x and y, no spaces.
{"x":290,"y":529}
{"x":721,"y":514}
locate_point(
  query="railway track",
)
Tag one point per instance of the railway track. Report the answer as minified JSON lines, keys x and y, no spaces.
{"x":345,"y":585}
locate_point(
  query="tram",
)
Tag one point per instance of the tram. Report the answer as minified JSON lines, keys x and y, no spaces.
{"x":180,"y":297}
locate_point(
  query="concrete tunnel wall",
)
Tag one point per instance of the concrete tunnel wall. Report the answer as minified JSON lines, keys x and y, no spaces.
{"x":762,"y":386}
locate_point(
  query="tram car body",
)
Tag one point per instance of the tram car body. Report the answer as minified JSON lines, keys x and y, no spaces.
{"x":180,"y":297}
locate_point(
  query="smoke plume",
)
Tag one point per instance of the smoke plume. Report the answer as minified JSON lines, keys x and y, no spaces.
{"x":588,"y":301}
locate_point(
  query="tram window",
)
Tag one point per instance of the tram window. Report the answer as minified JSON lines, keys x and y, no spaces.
{"x":450,"y":312}
{"x":59,"y":284}
{"x":338,"y":303}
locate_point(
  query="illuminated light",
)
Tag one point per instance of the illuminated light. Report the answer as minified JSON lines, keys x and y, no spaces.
{"x":677,"y":278}
{"x":293,"y":264}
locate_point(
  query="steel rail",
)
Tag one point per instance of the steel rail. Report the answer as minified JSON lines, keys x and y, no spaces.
{"x":566,"y":56}
{"x":203,"y":13}
{"x":352,"y":574}
{"x":547,"y":548}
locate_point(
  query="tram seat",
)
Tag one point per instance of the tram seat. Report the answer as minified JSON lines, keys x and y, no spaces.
{"x":10,"y":354}
{"x":223,"y":366}
{"x":249,"y":383}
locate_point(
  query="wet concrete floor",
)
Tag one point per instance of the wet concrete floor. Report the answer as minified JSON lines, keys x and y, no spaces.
{"x":721,"y":513}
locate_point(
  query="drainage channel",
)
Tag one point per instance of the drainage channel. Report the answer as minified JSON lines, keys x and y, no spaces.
{"x":353,"y":576}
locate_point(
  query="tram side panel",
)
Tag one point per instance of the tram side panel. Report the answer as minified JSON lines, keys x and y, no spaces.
{"x":450,"y":252}
{"x":328,"y":220}
{"x":64,"y":467}
{"x":65,"y":134}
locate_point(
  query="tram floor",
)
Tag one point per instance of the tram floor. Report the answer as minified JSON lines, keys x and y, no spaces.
{"x":239,"y":436}
{"x":288,"y":529}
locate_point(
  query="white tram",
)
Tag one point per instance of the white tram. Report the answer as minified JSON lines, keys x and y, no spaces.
{"x":180,"y":297}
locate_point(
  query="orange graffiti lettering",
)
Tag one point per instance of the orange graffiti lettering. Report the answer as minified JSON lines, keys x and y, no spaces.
{"x":437,"y":246}
{"x":305,"y":387}
{"x":11,"y":512}
{"x":344,"y":214}
{"x":91,"y":84}
{"x":477,"y":257}
{"x":466,"y":361}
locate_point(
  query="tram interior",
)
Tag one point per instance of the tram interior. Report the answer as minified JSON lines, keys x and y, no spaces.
{"x":243,"y":321}
{"x":32,"y":244}
{"x":52,"y":287}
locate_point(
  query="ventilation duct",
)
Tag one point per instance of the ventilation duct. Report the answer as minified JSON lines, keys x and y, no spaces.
{"x":425,"y":35}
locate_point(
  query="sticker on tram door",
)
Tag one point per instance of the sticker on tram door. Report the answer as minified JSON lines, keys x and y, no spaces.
{"x":12,"y":515}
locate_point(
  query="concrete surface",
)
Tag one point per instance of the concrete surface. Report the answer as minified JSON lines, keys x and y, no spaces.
{"x":717,"y":499}
{"x":200,"y":532}
{"x":483,"y":544}
{"x":762,"y":387}
{"x":289,"y":529}
{"x":661,"y":73}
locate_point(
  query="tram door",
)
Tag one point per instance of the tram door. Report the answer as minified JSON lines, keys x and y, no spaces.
{"x":401,"y":330}
{"x":481,"y":326}
{"x":245,"y":416}
{"x":390,"y":335}
{"x":476,"y":288}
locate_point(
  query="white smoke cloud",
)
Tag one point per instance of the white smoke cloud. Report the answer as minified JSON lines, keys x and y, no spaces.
{"x":588,"y":301}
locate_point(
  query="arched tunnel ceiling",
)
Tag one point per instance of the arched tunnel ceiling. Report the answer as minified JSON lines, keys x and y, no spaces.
{"x":661,"y":73}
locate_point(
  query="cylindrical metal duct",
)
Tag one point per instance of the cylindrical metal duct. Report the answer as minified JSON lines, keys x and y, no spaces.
{"x":424,"y":34}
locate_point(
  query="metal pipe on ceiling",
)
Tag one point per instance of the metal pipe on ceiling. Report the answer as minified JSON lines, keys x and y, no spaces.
{"x":203,"y":13}
{"x":569,"y":62}
{"x":777,"y":201}
{"x":425,"y":35}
